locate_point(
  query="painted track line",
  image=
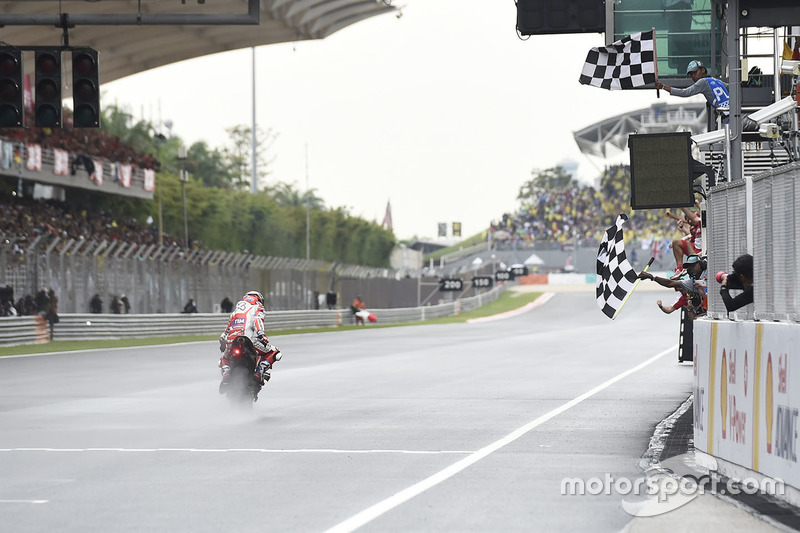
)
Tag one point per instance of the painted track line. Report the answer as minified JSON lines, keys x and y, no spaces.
{"x":371,"y":513}
{"x":541,"y":300}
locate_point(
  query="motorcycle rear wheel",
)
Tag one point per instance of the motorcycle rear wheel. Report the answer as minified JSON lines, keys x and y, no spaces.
{"x":240,"y":388}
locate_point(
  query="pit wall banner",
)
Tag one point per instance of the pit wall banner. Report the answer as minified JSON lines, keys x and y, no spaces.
{"x":747,"y":395}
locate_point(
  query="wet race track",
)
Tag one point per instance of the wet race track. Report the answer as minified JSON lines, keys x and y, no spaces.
{"x":462,"y":427}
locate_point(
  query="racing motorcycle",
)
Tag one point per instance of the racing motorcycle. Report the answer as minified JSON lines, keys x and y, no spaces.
{"x":242,"y":385}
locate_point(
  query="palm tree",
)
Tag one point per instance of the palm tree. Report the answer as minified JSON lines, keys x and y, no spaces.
{"x":287,"y":195}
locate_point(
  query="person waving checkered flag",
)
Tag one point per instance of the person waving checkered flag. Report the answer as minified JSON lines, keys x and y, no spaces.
{"x":615,"y":275}
{"x":625,"y":64}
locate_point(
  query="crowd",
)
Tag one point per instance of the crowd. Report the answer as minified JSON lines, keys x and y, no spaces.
{"x":120,"y":305}
{"x":44,"y":303}
{"x":80,"y":141}
{"x":23,"y":219}
{"x":579,"y":213}
{"x":555,"y":217}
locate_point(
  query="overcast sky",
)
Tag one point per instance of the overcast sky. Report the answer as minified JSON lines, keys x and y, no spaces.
{"x":444,"y":111}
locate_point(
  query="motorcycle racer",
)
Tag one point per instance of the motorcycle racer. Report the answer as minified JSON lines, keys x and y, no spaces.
{"x":247,"y":319}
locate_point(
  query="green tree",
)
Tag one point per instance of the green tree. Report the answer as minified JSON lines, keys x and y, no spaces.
{"x":549,"y":179}
{"x":209,"y":166}
{"x":138,"y":135}
{"x":238,"y":155}
{"x":223,"y":215}
{"x":286,"y":194}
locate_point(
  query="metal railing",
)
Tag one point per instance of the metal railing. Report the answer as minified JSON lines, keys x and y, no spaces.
{"x":774,"y":233}
{"x":30,"y":330}
{"x":76,"y":176}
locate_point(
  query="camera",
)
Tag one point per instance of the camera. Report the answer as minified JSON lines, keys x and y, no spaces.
{"x":734,"y":280}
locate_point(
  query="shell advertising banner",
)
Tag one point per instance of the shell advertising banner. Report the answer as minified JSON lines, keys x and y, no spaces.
{"x":746,"y":397}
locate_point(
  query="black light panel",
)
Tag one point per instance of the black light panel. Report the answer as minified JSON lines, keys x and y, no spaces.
{"x":661,"y":170}
{"x":543,"y":17}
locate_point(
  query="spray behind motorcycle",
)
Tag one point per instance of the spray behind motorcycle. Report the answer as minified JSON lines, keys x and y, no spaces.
{"x":241,"y":386}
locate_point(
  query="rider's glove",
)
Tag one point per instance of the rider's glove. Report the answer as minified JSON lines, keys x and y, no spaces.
{"x":222,"y":344}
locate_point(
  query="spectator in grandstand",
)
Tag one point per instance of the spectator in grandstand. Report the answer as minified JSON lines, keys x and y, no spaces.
{"x":87,"y":142}
{"x":25,"y":217}
{"x":714,"y":90}
{"x":96,"y":304}
{"x":741,"y":278}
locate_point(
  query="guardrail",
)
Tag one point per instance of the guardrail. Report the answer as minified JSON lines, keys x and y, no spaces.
{"x":34,"y":330}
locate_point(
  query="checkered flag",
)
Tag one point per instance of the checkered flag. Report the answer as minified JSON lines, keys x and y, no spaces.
{"x":625,"y":64}
{"x":615,"y":275}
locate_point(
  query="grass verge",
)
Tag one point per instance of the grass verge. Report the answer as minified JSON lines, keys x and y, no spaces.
{"x":508,"y":301}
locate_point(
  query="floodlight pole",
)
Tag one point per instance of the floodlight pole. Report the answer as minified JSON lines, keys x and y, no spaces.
{"x":184,"y":177}
{"x":308,"y":214}
{"x":158,"y":138}
{"x":253,"y":144}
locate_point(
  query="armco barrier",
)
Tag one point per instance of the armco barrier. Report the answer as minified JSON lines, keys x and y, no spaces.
{"x":23,"y":330}
{"x":30,"y":330}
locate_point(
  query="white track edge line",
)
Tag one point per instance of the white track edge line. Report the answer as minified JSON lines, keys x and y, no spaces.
{"x":541,"y":300}
{"x":371,"y":513}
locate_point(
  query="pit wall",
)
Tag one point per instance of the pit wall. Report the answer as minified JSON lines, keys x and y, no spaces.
{"x":747,"y":398}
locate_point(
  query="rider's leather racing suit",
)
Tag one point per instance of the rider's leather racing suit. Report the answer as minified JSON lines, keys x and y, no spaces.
{"x":247,"y":319}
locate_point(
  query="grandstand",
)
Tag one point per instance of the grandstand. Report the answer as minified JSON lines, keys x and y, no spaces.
{"x":28,"y":161}
{"x":145,"y":35}
{"x":610,"y":136}
{"x":133,"y":36}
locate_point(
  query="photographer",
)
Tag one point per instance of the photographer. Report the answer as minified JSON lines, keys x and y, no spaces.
{"x":741,"y":278}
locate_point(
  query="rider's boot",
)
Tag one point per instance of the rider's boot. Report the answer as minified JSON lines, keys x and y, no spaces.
{"x":263,"y":371}
{"x":225,"y":371}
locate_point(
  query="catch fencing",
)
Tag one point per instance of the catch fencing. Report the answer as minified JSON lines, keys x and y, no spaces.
{"x":34,"y":329}
{"x":773,"y":227}
{"x":162,"y":279}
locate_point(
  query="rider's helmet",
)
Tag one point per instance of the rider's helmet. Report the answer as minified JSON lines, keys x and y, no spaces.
{"x":254,"y":298}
